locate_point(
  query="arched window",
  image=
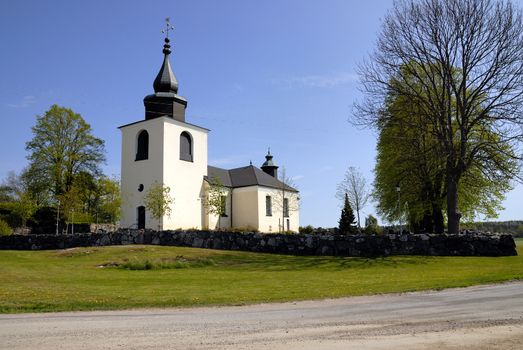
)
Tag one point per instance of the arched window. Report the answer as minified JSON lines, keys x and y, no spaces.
{"x":142,"y":148}
{"x":140,"y":213}
{"x":186,"y":147}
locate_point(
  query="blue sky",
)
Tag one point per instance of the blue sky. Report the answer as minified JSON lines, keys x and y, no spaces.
{"x":257,"y":73}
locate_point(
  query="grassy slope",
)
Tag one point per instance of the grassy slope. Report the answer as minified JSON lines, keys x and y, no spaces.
{"x":72,"y":280}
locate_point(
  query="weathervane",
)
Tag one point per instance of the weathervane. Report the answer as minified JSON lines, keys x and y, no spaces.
{"x":168,"y":27}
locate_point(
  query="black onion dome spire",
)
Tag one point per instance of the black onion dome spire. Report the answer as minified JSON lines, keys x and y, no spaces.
{"x":268,"y":166}
{"x":165,"y":80}
{"x":165,"y":101}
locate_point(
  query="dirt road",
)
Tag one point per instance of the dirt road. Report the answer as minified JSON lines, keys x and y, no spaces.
{"x":483,"y":317}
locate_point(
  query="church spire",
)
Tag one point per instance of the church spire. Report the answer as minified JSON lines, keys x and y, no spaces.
{"x":165,"y":101}
{"x":165,"y":80}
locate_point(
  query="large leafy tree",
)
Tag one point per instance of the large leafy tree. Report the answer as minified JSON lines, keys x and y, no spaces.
{"x":460,"y":62}
{"x":92,"y":199}
{"x":410,"y":156}
{"x":109,"y":203}
{"x":62,"y":147}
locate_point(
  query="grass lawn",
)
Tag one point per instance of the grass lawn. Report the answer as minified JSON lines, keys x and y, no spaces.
{"x":152,"y":276}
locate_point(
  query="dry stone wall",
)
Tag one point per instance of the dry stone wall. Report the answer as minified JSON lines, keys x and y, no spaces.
{"x":466,"y":244}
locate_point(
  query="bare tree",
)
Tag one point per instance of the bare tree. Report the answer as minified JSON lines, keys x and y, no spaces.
{"x":286,"y":200}
{"x":354,"y":185}
{"x":461,"y":62}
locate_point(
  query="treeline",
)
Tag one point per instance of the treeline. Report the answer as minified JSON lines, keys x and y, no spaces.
{"x":514,"y":228}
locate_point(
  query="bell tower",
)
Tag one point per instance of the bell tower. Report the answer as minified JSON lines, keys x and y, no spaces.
{"x":163,"y":149}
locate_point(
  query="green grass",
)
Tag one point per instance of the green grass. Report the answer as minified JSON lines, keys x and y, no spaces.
{"x":152,"y":276}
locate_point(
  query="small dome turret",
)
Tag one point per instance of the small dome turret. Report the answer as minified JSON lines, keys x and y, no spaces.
{"x":268,"y":166}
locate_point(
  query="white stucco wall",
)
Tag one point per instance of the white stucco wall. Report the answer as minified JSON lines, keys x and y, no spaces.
{"x":272,"y":223}
{"x":183,"y":177}
{"x":164,"y":166}
{"x":134,"y":173}
{"x":249,"y":209}
{"x":245,"y":207}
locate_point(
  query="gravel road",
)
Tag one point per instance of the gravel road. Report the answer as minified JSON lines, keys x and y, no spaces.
{"x":482,"y":317}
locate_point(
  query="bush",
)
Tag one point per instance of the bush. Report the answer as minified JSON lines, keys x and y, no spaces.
{"x":159,"y":264}
{"x":4,"y":228}
{"x":43,"y":221}
{"x":8,"y":214}
{"x":373,"y":230}
{"x":307,"y":229}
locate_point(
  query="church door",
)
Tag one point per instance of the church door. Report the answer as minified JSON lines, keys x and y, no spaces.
{"x":141,"y":217}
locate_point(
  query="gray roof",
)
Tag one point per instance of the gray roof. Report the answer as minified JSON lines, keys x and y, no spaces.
{"x":245,"y":176}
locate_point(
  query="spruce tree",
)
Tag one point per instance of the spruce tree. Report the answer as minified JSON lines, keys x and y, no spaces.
{"x":347,"y":219}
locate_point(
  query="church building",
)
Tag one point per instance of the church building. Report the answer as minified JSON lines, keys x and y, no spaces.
{"x":165,"y":149}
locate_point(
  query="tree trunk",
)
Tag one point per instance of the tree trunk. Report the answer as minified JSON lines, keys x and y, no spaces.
{"x":437,"y":217}
{"x":427,"y":225}
{"x":453,"y":214}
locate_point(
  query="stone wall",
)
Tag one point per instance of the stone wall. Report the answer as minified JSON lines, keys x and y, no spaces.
{"x":467,"y":244}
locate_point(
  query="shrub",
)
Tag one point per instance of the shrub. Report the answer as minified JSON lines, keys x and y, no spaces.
{"x":307,"y":229}
{"x":9,"y":215}
{"x":4,"y":228}
{"x":160,"y":264}
{"x":373,"y":230}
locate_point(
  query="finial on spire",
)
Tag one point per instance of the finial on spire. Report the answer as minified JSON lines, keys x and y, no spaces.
{"x":250,"y":162}
{"x":168,"y":27}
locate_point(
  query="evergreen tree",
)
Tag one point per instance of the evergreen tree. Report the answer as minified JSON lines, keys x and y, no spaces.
{"x":347,"y":219}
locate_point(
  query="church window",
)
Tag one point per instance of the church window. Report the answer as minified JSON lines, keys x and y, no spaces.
{"x":286,"y":207}
{"x":142,"y":149}
{"x":223,"y":200}
{"x":186,"y":147}
{"x":268,"y":206}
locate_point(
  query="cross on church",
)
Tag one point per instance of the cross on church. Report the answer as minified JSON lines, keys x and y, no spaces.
{"x":168,"y":27}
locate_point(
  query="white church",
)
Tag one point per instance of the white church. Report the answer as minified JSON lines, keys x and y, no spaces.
{"x":165,"y":149}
